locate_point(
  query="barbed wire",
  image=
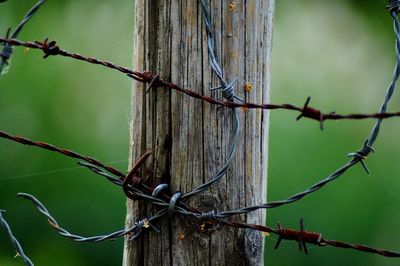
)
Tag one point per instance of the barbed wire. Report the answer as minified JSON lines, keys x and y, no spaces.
{"x":170,"y":204}
{"x":136,"y":230}
{"x":51,"y":48}
{"x":357,"y":157}
{"x":7,"y":51}
{"x":14,"y":241}
{"x":227,"y":89}
{"x":179,"y":207}
{"x":301,"y":236}
{"x":65,"y":152}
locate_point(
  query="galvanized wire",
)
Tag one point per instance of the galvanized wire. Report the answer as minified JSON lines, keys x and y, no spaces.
{"x":228,"y":93}
{"x":133,"y":232}
{"x":357,"y":157}
{"x":168,"y":205}
{"x":5,"y":54}
{"x":14,"y":241}
{"x":301,"y":236}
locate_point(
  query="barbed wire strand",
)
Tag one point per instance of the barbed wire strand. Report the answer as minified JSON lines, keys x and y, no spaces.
{"x":7,"y":51}
{"x":91,"y":164}
{"x":228,"y":93}
{"x":14,"y":241}
{"x":301,"y":236}
{"x":143,"y":76}
{"x":134,"y":230}
{"x":68,"y":153}
{"x":286,"y":234}
{"x":175,"y":205}
{"x":357,"y":157}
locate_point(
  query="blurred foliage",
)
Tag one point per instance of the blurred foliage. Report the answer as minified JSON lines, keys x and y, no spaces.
{"x":67,"y":103}
{"x":339,"y":52}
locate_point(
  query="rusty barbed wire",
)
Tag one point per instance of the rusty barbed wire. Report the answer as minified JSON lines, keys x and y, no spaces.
{"x":156,"y":201}
{"x":304,"y":237}
{"x":283,"y":233}
{"x":95,"y":165}
{"x":14,"y":241}
{"x":135,"y":188}
{"x":155,"y":81}
{"x":5,"y":54}
{"x":65,"y":152}
{"x":135,"y":231}
{"x":301,"y":236}
{"x":357,"y":157}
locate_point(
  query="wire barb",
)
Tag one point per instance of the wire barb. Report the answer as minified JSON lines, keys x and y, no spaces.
{"x":141,"y":225}
{"x":150,"y":78}
{"x":393,"y":6}
{"x":312,"y":113}
{"x":7,"y":51}
{"x":135,"y":188}
{"x":138,"y":76}
{"x":49,"y":47}
{"x":362,"y":154}
{"x":133,"y":180}
{"x":302,"y":236}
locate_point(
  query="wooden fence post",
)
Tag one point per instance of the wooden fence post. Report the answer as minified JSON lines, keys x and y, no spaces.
{"x":189,"y":139}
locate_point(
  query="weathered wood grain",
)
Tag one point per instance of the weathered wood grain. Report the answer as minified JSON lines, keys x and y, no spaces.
{"x":190,"y":139}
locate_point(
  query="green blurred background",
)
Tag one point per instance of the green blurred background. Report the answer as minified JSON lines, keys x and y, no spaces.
{"x":339,"y":52}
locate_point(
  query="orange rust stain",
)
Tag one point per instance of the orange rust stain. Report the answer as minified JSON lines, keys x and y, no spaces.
{"x":247,"y":87}
{"x":202,"y":227}
{"x":146,"y":224}
{"x":244,"y":109}
{"x":232,"y":6}
{"x":181,"y":236}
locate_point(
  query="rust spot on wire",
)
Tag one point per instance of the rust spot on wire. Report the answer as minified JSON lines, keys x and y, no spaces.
{"x":142,"y":76}
{"x":302,"y":236}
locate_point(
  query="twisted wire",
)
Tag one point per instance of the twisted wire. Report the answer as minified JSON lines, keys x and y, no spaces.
{"x":229,"y":94}
{"x":6,"y":53}
{"x":309,"y":112}
{"x":301,"y":236}
{"x":14,"y":241}
{"x":393,"y":6}
{"x":65,"y":152}
{"x":310,"y":238}
{"x":153,"y":196}
{"x":134,"y":186}
{"x":136,"y":230}
{"x":357,"y":157}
